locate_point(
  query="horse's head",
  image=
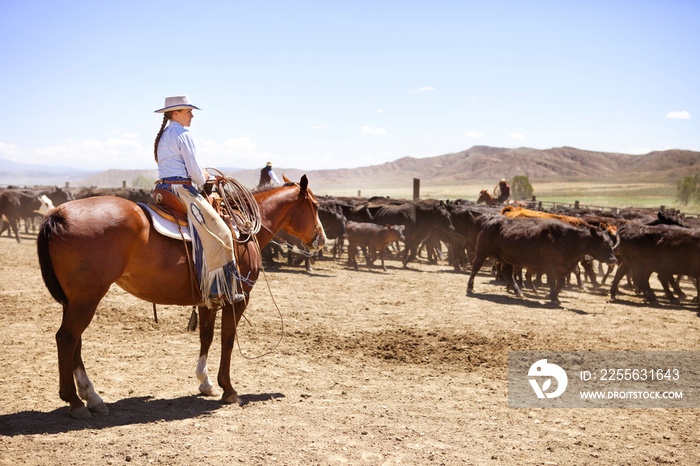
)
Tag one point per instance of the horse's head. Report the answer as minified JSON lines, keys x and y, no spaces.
{"x":303,"y":221}
{"x":484,"y":197}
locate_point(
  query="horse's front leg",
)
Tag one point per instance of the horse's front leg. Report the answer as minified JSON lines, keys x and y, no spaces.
{"x":207,"y":319}
{"x":230,"y":316}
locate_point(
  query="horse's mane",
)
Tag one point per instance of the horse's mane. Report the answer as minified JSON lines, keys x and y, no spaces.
{"x":270,"y":187}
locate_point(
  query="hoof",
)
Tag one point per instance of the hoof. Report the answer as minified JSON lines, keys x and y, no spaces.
{"x":99,"y":408}
{"x":80,"y":413}
{"x":207,"y":390}
{"x":231,"y":398}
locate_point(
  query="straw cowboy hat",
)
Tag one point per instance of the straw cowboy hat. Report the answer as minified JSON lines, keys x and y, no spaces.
{"x":180,"y":102}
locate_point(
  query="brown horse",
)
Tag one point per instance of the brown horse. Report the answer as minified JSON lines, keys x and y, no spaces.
{"x":489,"y":200}
{"x":86,"y":245}
{"x":486,"y":198}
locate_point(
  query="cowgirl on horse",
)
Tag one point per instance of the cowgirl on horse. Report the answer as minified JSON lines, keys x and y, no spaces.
{"x":85,"y":246}
{"x":178,"y":170}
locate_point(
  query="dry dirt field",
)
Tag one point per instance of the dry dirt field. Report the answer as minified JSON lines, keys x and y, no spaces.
{"x":396,"y":367}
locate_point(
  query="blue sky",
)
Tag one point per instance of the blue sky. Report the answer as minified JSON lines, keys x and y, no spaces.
{"x":331,"y":84}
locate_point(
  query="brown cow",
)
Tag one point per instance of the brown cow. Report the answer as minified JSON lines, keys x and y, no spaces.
{"x":511,"y":211}
{"x":373,"y":237}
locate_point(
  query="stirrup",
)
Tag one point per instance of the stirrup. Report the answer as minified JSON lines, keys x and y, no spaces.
{"x":237,"y":297}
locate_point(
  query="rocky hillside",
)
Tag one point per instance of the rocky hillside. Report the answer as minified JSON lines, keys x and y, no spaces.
{"x":475,"y":164}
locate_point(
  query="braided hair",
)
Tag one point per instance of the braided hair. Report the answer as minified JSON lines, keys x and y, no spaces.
{"x":166,"y":117}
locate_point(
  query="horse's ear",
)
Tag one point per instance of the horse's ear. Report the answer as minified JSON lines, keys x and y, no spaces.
{"x":304,"y":183}
{"x":286,"y":180}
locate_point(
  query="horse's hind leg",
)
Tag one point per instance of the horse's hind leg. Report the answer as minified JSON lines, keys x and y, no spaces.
{"x":207,"y":319}
{"x":76,"y":318}
{"x":86,"y":390}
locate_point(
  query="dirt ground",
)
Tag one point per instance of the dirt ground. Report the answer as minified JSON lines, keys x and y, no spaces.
{"x":374,"y":368}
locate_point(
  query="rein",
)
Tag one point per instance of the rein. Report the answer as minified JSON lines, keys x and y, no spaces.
{"x":240,"y":205}
{"x":281,"y":242}
{"x":243,"y":210}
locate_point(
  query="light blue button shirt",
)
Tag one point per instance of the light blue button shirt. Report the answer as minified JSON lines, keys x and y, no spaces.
{"x":176,"y":154}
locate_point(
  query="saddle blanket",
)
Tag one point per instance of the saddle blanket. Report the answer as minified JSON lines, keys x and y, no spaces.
{"x":166,"y":227}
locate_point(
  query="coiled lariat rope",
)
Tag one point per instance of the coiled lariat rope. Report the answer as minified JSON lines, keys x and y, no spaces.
{"x":240,"y":205}
{"x":243,"y":210}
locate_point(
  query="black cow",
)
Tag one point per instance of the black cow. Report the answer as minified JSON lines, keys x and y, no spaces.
{"x":540,"y":245}
{"x":664,"y":249}
{"x":417,"y":217}
{"x":16,"y":204}
{"x":57,"y":195}
{"x":467,"y":220}
{"x":333,"y":222}
{"x":132,"y":194}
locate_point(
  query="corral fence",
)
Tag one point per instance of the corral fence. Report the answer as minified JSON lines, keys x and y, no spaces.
{"x":547,"y":205}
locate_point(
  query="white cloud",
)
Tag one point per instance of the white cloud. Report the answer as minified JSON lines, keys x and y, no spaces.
{"x":10,"y":152}
{"x":681,"y":115}
{"x":125,"y":152}
{"x":517,"y":136}
{"x":423,"y":89}
{"x":319,"y":127}
{"x":114,"y":152}
{"x":369,"y":130}
{"x":475,"y":134}
{"x":380,"y":111}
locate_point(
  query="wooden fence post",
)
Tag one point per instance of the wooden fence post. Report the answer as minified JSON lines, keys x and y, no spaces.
{"x":416,"y":189}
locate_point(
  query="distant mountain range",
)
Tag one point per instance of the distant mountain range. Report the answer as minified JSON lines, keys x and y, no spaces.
{"x":475,"y":164}
{"x":26,"y":174}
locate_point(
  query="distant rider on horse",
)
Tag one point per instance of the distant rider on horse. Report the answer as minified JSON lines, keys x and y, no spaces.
{"x":502,"y":192}
{"x":268,"y":177}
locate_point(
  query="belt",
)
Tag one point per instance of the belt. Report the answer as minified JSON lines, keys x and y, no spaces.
{"x":167,"y":181}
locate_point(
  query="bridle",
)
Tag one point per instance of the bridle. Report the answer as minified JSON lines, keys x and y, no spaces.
{"x":311,"y":247}
{"x":307,"y":252}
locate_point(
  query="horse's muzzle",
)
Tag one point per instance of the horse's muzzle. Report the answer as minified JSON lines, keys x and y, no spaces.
{"x":318,"y":241}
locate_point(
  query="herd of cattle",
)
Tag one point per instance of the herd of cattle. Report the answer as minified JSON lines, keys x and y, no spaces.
{"x":524,"y":244}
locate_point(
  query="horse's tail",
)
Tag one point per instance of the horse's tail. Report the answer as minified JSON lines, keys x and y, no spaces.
{"x":53,"y":224}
